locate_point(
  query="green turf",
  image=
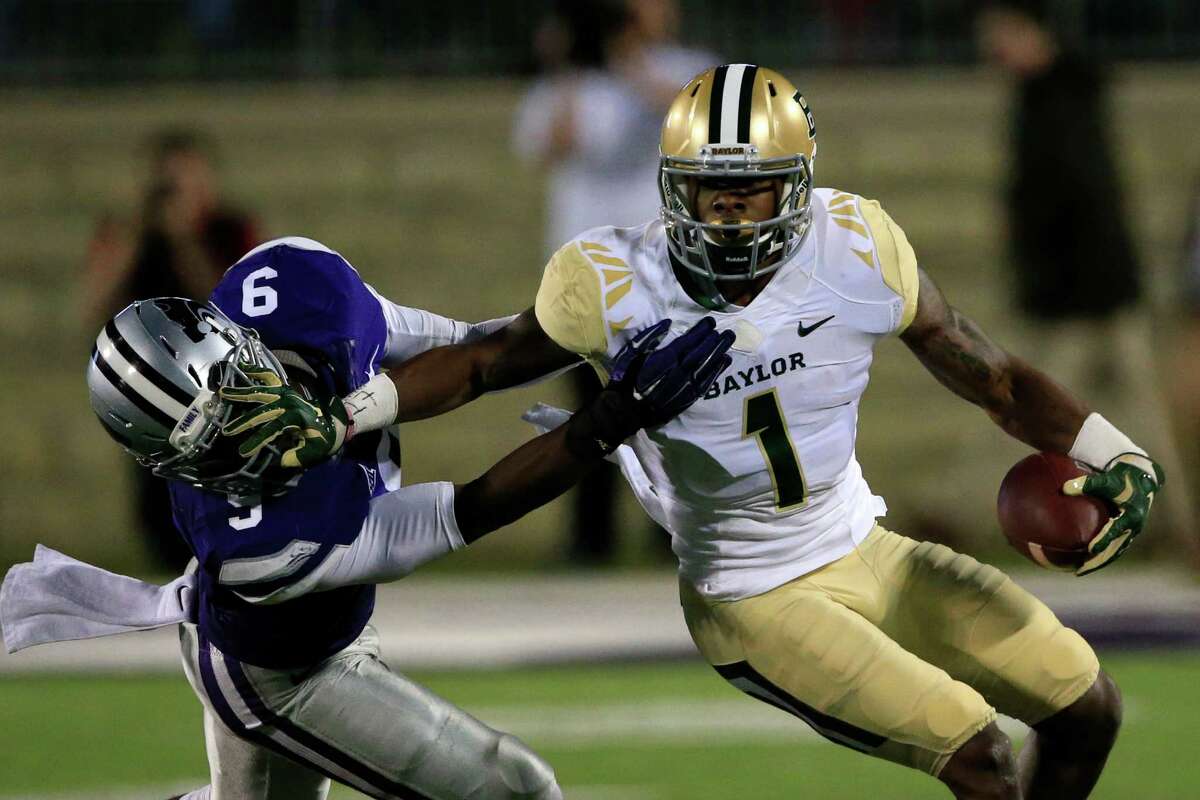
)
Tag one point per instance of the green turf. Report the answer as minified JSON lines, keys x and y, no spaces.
{"x":78,"y":735}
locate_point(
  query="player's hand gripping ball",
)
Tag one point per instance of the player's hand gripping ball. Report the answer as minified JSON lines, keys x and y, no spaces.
{"x":304,"y":432}
{"x":1062,"y":515}
{"x":1129,"y":485}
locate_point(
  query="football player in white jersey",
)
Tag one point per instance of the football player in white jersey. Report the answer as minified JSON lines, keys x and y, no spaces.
{"x":896,"y":648}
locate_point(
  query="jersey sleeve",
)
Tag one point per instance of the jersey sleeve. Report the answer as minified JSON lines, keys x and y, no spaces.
{"x":569,"y":306}
{"x":403,"y":530}
{"x":412,"y":331}
{"x":897,"y":261}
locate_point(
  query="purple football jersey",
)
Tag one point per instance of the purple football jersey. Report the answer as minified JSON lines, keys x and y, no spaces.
{"x":304,"y":298}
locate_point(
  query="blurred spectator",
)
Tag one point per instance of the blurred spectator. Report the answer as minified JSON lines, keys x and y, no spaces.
{"x":1077,"y":276}
{"x":592,"y":122}
{"x":183,"y":241}
{"x":1072,"y":252}
{"x":1185,"y":377}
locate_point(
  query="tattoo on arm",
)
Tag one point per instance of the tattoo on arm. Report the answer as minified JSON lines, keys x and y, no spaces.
{"x":1024,"y":401}
{"x":956,"y":351}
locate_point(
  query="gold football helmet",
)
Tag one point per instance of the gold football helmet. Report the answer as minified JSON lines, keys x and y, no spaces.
{"x":730,"y":123}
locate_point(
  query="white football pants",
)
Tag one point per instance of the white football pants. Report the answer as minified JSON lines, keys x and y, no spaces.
{"x":281,"y":735}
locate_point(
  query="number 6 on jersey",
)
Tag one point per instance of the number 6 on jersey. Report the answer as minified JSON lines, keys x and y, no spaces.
{"x":259,"y":300}
{"x":764,"y":421}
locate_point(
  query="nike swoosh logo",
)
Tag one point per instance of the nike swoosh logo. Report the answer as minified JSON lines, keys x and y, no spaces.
{"x":803,"y":331}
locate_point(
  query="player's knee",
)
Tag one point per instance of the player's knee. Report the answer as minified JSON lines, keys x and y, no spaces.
{"x":984,"y":768}
{"x":524,"y":772}
{"x":1093,"y":719}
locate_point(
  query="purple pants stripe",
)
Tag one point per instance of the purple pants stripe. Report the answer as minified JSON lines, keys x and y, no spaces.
{"x":368,"y":780}
{"x":221,"y":705}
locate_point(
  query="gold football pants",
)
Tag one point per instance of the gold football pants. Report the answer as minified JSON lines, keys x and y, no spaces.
{"x":902,"y":649}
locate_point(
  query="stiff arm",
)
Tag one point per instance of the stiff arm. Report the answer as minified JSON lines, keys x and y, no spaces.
{"x":445,"y":378}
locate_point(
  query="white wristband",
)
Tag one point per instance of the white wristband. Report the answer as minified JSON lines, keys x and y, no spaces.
{"x":1099,"y":443}
{"x":373,"y":405}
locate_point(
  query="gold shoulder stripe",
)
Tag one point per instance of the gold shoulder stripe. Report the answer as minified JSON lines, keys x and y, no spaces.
{"x":839,"y":197}
{"x":850,"y":224}
{"x":593,"y":246}
{"x":611,"y":261}
{"x":611,"y":276}
{"x":843,"y":206}
{"x":617,"y":292}
{"x":867,"y":257}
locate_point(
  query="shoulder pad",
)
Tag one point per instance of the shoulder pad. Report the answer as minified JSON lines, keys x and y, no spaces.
{"x":865,"y":256}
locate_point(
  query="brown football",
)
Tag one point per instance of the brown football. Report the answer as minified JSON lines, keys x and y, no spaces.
{"x":1049,"y":528}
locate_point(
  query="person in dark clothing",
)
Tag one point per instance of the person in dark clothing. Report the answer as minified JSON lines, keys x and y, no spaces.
{"x":1076,"y":273}
{"x":1072,"y":252}
{"x":180,"y":246}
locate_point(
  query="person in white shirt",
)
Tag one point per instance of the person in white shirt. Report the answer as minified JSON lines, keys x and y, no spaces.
{"x":592,"y":124}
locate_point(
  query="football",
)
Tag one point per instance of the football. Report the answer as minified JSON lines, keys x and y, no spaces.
{"x":1046,"y":526}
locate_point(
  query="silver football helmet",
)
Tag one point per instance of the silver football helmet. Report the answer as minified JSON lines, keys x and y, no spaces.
{"x":154,"y":378}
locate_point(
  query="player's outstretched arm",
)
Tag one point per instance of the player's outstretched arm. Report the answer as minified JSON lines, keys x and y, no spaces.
{"x":648,"y":387}
{"x":1033,"y":408}
{"x":419,"y":523}
{"x":432,"y":383}
{"x":445,"y":378}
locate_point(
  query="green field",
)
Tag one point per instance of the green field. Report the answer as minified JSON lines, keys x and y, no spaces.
{"x":641,"y":732}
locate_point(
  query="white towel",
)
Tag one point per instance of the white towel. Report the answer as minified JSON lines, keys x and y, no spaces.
{"x":57,"y":598}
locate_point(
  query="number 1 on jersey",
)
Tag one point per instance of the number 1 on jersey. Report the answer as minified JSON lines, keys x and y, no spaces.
{"x":764,"y":421}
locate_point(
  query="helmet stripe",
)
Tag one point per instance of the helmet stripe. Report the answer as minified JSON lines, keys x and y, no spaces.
{"x":716,"y":98}
{"x":731,"y":94}
{"x":137,"y":380}
{"x":143,"y":367}
{"x":745,"y":99}
{"x":145,"y":406}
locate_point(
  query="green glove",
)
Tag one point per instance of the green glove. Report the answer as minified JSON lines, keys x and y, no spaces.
{"x":1127,"y":485}
{"x":308,"y":432}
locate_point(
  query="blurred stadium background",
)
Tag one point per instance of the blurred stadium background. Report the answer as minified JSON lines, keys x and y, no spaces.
{"x":382,"y":129}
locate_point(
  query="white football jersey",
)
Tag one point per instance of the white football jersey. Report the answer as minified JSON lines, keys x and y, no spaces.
{"x":758,"y":480}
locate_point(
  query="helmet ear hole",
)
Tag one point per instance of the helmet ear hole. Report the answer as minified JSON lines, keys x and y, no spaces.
{"x":216,"y":375}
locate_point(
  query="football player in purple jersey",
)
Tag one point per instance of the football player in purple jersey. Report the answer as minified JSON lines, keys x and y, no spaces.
{"x":240,"y":401}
